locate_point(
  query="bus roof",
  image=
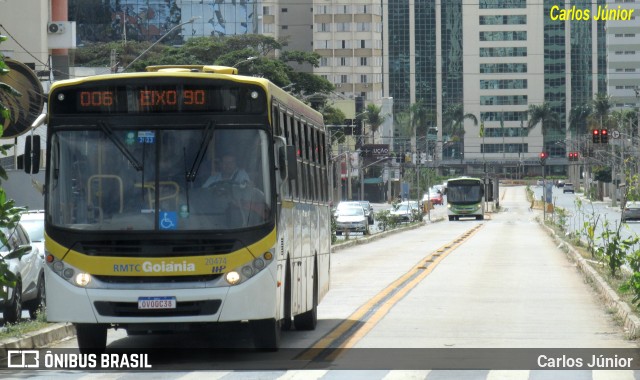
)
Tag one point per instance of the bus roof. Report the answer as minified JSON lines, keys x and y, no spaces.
{"x":464,"y":179}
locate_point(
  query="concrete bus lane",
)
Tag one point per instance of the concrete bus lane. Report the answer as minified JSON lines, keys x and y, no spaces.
{"x":508,"y":286}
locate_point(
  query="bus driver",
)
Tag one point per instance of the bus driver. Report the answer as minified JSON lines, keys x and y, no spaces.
{"x":229,"y":172}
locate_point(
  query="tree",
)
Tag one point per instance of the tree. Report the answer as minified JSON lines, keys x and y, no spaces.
{"x":334,"y":116}
{"x":453,"y":123}
{"x":9,"y":214}
{"x":578,"y":119}
{"x":623,"y":120}
{"x":454,"y":118}
{"x":373,"y":117}
{"x":224,"y":51}
{"x":542,"y":114}
{"x":601,"y":108}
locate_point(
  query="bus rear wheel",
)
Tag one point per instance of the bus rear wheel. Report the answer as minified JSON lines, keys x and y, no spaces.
{"x":92,"y":338}
{"x":266,"y":334}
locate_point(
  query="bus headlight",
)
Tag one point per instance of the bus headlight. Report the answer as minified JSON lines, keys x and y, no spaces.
{"x":67,"y":272}
{"x":83,"y":279}
{"x":249,"y":270}
{"x":232,"y":277}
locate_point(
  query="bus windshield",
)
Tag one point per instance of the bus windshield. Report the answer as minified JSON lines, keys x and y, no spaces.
{"x":204,"y":177}
{"x":464,"y":193}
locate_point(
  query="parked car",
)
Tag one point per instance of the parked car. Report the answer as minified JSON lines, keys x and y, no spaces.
{"x":560,"y":183}
{"x":403,"y":211}
{"x":631,"y":211}
{"x":33,"y":222}
{"x":434,"y":196}
{"x":346,"y":204}
{"x":351,"y":219}
{"x":568,"y":188}
{"x":368,"y":210}
{"x":29,"y":291}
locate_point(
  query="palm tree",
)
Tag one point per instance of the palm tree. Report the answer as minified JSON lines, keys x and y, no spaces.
{"x":623,"y":120}
{"x":421,"y":116}
{"x":542,"y":114}
{"x":578,"y":117}
{"x":601,"y":108}
{"x":453,"y":119}
{"x":373,"y":117}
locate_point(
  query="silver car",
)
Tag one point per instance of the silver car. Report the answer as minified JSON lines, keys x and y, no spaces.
{"x":631,"y":211}
{"x":351,"y":219}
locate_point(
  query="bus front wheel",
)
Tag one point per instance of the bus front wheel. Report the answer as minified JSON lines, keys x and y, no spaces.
{"x":92,"y":338}
{"x":266,"y":334}
{"x":451,"y":218}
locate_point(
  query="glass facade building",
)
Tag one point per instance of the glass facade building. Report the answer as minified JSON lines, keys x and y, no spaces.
{"x":149,"y":20}
{"x":495,"y":58}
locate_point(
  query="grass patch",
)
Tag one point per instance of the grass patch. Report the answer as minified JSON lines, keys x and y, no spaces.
{"x":23,"y":327}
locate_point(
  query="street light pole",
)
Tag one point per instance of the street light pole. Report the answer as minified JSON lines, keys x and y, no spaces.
{"x":249,"y":59}
{"x":192,"y":19}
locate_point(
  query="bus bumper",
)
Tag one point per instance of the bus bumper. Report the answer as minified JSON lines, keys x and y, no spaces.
{"x":253,"y":299}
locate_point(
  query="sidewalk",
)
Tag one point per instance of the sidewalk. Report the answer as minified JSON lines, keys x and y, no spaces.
{"x":37,"y":339}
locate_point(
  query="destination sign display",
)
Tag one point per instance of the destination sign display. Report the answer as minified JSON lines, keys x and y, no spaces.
{"x":128,"y":99}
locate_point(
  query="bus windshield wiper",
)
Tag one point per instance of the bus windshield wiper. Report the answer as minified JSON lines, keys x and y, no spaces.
{"x":123,"y":149}
{"x":202,"y":150}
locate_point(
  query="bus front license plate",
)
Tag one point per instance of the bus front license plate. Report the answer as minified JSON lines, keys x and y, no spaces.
{"x":145,"y":303}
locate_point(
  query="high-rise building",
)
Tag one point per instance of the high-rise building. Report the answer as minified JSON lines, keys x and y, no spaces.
{"x":348,"y":37}
{"x":623,"y":55}
{"x":492,"y":59}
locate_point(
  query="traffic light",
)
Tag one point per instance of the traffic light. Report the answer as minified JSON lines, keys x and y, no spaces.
{"x":543,"y":157}
{"x":604,"y":136}
{"x":573,"y":156}
{"x":596,"y":136}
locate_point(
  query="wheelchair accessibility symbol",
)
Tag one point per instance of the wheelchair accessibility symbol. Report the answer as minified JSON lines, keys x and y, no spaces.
{"x":168,"y":220}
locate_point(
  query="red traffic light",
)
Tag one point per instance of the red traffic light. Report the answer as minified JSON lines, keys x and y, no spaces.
{"x":596,"y":136}
{"x":543,"y":155}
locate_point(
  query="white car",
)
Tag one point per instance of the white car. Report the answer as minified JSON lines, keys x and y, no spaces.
{"x":33,"y":222}
{"x":29,"y":291}
{"x":404,"y":212}
{"x":352,"y":219}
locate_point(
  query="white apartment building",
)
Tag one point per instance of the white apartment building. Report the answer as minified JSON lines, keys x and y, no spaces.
{"x":623,"y":57}
{"x":348,"y":37}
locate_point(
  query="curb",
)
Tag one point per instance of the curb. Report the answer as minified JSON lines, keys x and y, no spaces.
{"x":37,"y":339}
{"x":622,"y":310}
{"x":351,"y":243}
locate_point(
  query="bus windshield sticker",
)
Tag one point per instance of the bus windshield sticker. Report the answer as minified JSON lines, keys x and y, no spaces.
{"x":168,"y":220}
{"x":146,"y":137}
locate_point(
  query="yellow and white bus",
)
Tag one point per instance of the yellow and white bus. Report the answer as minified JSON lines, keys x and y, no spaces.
{"x":134,"y":238}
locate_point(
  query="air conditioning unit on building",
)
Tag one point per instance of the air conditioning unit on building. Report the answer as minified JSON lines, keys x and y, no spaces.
{"x":61,"y":35}
{"x":56,"y":27}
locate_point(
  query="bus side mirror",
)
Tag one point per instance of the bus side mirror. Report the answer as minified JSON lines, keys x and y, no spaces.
{"x":32,"y":154}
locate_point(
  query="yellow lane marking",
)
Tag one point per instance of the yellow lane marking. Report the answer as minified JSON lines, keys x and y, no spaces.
{"x":347,"y":334}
